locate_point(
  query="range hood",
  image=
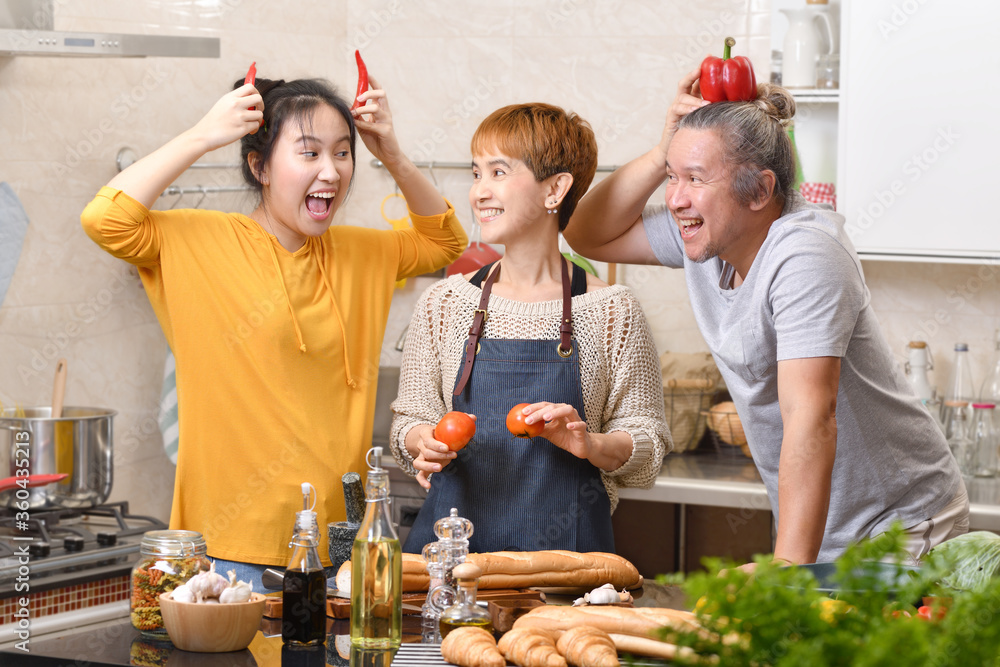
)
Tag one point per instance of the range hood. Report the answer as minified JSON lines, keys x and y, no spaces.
{"x":26,"y":29}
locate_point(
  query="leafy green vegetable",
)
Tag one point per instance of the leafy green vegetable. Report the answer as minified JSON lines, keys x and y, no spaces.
{"x":974,"y":559}
{"x":777,"y":617}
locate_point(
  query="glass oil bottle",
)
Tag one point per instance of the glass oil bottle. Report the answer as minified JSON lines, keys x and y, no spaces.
{"x":465,"y":611}
{"x":303,"y":589}
{"x":376,"y":567}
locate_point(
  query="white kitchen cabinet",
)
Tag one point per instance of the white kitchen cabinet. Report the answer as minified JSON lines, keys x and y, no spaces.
{"x":917,"y":129}
{"x":910,"y":138}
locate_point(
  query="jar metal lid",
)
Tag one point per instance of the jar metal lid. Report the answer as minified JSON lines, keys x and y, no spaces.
{"x":173,"y":543}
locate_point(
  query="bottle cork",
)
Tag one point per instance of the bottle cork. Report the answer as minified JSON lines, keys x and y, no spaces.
{"x":466,"y":572}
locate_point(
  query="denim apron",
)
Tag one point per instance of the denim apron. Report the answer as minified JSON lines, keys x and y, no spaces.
{"x":520,"y":494}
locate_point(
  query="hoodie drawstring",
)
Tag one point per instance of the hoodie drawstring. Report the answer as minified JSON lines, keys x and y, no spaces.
{"x":336,"y":310}
{"x":284,"y":290}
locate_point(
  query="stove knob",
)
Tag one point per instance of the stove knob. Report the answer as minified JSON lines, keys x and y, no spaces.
{"x":39,"y":549}
{"x":107,"y":539}
{"x":73,"y":543}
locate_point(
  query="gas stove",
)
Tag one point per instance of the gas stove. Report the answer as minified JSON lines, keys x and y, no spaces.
{"x":70,"y":546}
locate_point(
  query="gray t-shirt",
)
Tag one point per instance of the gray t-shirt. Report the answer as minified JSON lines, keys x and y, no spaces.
{"x":805,"y":296}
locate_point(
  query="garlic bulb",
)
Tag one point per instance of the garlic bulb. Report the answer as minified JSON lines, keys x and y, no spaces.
{"x":237,"y":591}
{"x":207,"y":585}
{"x":606,"y":594}
{"x":182,"y":594}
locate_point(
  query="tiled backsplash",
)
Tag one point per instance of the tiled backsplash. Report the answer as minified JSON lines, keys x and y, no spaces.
{"x":69,"y":598}
{"x":445,"y":65}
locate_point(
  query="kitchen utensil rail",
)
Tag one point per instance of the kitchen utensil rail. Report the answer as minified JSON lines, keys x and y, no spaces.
{"x":175,"y":190}
{"x":434,"y":164}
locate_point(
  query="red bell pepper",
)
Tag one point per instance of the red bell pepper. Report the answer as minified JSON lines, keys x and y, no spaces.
{"x":362,"y":79}
{"x":251,"y":77}
{"x":727,"y":79}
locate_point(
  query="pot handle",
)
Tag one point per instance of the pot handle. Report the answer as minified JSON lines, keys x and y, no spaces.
{"x":11,"y":427}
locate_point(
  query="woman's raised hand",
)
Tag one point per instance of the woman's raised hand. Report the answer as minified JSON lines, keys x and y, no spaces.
{"x":237,"y":113}
{"x":228,"y":120}
{"x":374,"y":122}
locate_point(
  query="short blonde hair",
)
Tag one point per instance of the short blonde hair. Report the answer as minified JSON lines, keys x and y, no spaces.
{"x":548,"y":140}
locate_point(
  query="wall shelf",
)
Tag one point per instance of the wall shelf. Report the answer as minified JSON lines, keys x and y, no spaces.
{"x":815,"y":95}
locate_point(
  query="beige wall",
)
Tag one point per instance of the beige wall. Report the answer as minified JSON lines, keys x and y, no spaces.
{"x":445,"y":65}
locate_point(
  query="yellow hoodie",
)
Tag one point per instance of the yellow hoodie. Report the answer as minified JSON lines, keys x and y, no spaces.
{"x":277,"y":357}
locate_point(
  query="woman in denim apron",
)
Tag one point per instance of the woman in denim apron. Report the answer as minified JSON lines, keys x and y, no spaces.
{"x":531,"y":163}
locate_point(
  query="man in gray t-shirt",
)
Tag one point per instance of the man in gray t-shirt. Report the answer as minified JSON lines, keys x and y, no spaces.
{"x":843,"y":445}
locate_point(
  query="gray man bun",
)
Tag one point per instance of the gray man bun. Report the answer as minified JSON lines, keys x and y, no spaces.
{"x":776,"y":102}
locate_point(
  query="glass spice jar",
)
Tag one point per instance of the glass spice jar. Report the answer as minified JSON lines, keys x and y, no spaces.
{"x":168,"y":558}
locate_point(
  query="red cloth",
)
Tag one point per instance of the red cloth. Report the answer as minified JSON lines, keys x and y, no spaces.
{"x":819,"y":193}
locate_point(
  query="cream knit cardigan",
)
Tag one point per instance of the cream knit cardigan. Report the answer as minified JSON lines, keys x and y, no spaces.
{"x":619,"y":367}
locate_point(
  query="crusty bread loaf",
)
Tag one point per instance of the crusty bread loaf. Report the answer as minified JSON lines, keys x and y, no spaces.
{"x":524,"y":569}
{"x":634,"y":621}
{"x":521,"y":569}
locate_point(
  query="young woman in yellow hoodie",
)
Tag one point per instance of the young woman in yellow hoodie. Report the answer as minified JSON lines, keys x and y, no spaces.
{"x":276,"y":319}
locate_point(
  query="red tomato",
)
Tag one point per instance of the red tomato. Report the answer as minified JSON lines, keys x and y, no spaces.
{"x":931,"y":613}
{"x":455,"y":430}
{"x":516,"y":425}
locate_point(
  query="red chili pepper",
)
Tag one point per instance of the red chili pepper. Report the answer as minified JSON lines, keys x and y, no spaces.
{"x":727,"y":79}
{"x":362,"y":79}
{"x":251,"y":77}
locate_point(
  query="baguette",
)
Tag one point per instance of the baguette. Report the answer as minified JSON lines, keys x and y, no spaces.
{"x":651,"y":648}
{"x":415,"y":576}
{"x":524,"y":569}
{"x":634,"y":621}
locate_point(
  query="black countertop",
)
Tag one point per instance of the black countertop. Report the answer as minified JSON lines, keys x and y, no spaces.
{"x":117,"y":644}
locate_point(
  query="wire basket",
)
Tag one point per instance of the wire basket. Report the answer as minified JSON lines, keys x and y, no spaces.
{"x":686,"y":402}
{"x":725,"y":428}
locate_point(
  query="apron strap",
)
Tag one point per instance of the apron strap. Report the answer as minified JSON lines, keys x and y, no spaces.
{"x":475,"y":332}
{"x":565,"y":347}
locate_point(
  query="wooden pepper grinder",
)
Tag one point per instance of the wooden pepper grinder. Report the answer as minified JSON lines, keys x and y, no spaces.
{"x":465,"y":611}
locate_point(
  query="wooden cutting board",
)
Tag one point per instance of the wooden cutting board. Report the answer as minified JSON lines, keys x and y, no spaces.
{"x":338,"y":607}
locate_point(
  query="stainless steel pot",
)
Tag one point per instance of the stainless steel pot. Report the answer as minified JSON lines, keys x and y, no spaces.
{"x":78,"y":444}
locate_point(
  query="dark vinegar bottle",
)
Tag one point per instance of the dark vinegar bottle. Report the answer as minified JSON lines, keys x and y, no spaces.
{"x":303,"y":607}
{"x":303,"y":590}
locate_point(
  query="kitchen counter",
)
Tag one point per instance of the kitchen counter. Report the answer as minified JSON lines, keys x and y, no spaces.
{"x":732,"y":481}
{"x":118,"y":644}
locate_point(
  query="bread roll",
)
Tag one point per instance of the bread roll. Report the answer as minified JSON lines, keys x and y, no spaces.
{"x":524,"y":569}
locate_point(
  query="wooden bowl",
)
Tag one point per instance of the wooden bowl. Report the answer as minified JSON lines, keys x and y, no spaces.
{"x":211,"y":628}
